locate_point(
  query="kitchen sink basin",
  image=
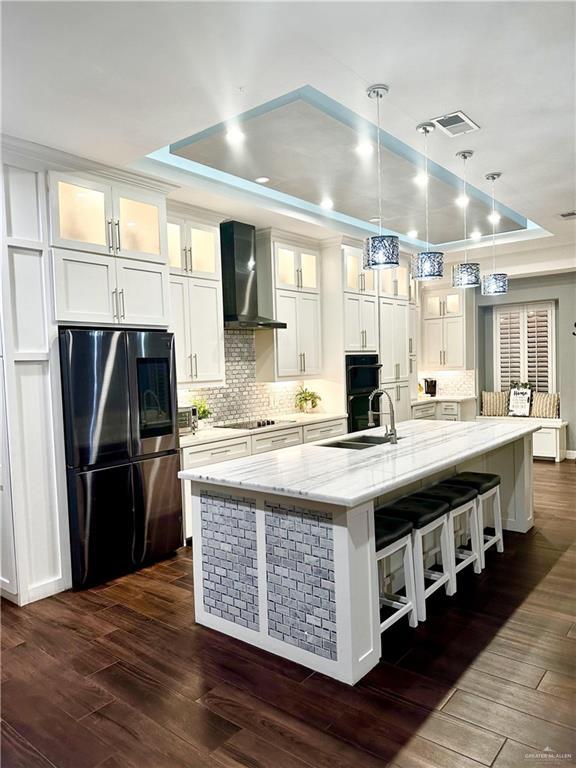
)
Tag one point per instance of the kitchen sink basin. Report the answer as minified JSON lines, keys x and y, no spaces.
{"x":360,"y":442}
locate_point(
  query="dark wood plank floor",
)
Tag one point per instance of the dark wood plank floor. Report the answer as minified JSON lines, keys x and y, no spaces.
{"x":121,"y":677}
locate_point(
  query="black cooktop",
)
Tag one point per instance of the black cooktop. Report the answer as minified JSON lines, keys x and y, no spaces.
{"x":254,"y":424}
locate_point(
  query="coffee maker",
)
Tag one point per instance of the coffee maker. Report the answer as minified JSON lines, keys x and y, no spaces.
{"x":430,"y":387}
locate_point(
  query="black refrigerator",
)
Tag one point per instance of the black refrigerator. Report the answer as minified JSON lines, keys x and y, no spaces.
{"x":121,"y":433}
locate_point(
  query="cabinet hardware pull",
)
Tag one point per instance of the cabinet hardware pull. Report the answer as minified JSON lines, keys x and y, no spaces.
{"x":440,"y":357}
{"x":326,"y":429}
{"x":190,"y":259}
{"x":397,"y":394}
{"x":304,"y":362}
{"x":191,"y":366}
{"x":185,"y":252}
{"x":195,"y":358}
{"x":223,"y":450}
{"x":115,"y":304}
{"x":278,"y":439}
{"x":121,"y":294}
{"x":411,"y":365}
{"x":110,"y":236}
{"x":410,"y":345}
{"x":118,"y":246}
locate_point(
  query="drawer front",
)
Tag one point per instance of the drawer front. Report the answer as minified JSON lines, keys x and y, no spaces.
{"x":424,"y":411}
{"x":272,"y":441}
{"x":314,"y":432}
{"x":544,"y":443}
{"x":215,"y":452}
{"x":450,"y":409}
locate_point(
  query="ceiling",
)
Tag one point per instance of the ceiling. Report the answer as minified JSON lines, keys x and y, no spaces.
{"x":148,"y":74}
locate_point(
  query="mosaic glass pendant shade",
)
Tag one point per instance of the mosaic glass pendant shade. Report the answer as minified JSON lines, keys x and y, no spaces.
{"x":466,"y":275}
{"x":428,"y":265}
{"x":494,"y":284}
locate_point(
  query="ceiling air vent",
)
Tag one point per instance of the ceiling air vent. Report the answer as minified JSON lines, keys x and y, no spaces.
{"x":568,"y":215}
{"x":455,"y":124}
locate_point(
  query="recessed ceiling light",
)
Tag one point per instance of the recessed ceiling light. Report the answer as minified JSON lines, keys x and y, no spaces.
{"x":421,"y":179}
{"x":494,"y":218}
{"x":365,"y":148}
{"x":462,"y":201}
{"x":475,"y":235}
{"x":375,"y":220}
{"x":327,"y":203}
{"x":262,"y":179}
{"x":235,"y":136}
{"x":412,"y":234}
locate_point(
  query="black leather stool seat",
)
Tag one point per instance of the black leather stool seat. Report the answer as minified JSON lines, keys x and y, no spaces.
{"x":453,"y":495}
{"x":390,"y":529}
{"x":418,"y":511}
{"x":482,"y":481}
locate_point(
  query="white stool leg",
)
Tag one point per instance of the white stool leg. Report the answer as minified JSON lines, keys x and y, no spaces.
{"x":447,"y":549}
{"x":419,"y":583}
{"x":409,"y":583}
{"x":498,"y":521}
{"x":475,"y":537}
{"x":480,"y":515}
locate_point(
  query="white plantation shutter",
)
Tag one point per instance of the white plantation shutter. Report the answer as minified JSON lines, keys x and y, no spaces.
{"x":524,"y":346}
{"x":508,"y":363}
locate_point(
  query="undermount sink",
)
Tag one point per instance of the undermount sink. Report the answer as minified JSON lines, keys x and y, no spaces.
{"x":360,"y":442}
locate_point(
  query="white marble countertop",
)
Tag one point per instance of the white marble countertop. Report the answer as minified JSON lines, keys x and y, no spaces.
{"x":213,"y":434}
{"x":443,"y":399}
{"x":350,"y":477}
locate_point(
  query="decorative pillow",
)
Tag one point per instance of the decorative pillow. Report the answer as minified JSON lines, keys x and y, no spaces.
{"x":494,"y":403}
{"x":545,"y":405}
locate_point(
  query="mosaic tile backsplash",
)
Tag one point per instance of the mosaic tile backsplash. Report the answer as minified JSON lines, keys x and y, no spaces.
{"x":455,"y":383}
{"x":243,"y":397}
{"x":300,"y":579}
{"x":229,"y":559}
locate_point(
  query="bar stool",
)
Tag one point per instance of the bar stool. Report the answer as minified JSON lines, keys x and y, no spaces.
{"x":488,"y":487}
{"x":393,"y":535}
{"x":461,"y":500}
{"x":426,"y":516}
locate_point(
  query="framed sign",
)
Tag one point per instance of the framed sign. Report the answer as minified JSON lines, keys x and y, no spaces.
{"x":519,"y":403}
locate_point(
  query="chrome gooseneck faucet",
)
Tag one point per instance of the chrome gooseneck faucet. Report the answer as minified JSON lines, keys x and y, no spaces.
{"x":390,"y":432}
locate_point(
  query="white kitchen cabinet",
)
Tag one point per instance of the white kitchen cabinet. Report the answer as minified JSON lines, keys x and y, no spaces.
{"x":360,"y":322}
{"x":114,"y":219}
{"x":194,"y":248}
{"x":395,"y":282}
{"x":357,"y":279}
{"x":443,"y":343}
{"x":394,"y":340}
{"x":442,"y":303}
{"x":273,"y":441}
{"x":105,"y":290}
{"x":309,"y":334}
{"x":142,"y":291}
{"x":296,"y":268}
{"x":324,"y":430}
{"x":198,"y":327}
{"x":400,"y":395}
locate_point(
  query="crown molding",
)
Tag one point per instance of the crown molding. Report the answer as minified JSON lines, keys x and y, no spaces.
{"x":56,"y":159}
{"x":201,"y":215}
{"x":279,"y":235}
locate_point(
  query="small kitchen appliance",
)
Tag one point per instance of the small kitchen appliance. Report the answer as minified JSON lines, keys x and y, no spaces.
{"x":430,"y":387}
{"x":187,"y":419}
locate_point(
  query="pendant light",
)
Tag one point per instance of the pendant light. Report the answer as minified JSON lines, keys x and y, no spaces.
{"x":427,"y":265}
{"x":380,"y":251}
{"x":465,"y":274}
{"x":494,"y":283}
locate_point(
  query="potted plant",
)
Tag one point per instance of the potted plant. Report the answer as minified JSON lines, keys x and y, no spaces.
{"x":203,"y":411}
{"x":306,"y":400}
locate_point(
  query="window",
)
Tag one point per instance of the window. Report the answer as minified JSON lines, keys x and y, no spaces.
{"x":524,"y":346}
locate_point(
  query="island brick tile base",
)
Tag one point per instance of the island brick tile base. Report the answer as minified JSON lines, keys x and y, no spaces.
{"x":229,"y":559}
{"x":300,"y":579}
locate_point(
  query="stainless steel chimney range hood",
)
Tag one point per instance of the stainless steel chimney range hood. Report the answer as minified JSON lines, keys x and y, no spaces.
{"x":239,"y":278}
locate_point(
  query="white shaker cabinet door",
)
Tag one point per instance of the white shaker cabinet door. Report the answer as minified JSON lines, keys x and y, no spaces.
{"x":140,"y":225}
{"x":353,"y":336}
{"x":142,"y":293}
{"x":401,"y":340}
{"x":288,"y":359}
{"x":206,"y":330}
{"x":387,"y":345}
{"x":85,"y":287}
{"x":180,"y":327}
{"x":432,"y":349}
{"x":369,"y":317}
{"x":310,"y":335}
{"x":81,"y":215}
{"x":453,"y":342}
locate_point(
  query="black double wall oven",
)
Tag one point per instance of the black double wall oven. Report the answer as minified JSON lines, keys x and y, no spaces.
{"x":121,"y":433}
{"x":362,"y":378}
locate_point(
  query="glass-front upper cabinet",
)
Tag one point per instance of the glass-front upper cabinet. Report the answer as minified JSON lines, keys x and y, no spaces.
{"x":296,"y":269}
{"x":193,"y":249}
{"x":139,"y":224}
{"x":357,"y":279}
{"x":81,"y":214}
{"x":395,"y":282}
{"x":445,"y":303}
{"x":87,"y":215}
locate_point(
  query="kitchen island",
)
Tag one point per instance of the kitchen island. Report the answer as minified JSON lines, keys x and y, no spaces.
{"x":283,"y":542}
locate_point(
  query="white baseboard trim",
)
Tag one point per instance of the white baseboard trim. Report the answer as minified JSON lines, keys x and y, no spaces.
{"x":571,"y":455}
